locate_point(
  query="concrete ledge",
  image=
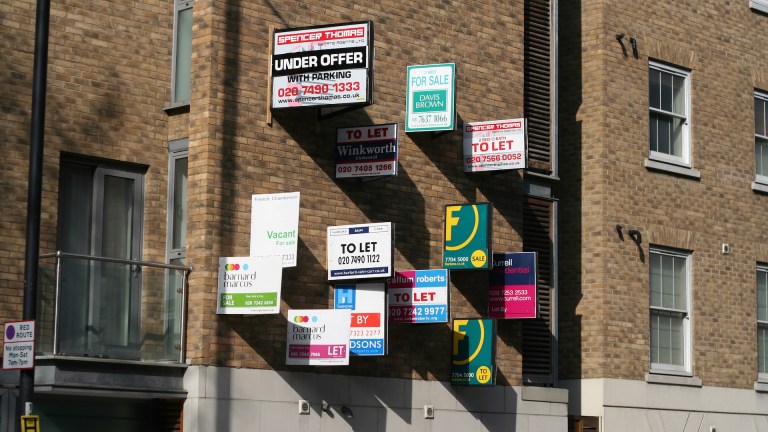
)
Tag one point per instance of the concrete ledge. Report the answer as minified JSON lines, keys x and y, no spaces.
{"x":652,"y":378}
{"x":761,"y":387}
{"x":544,"y":394}
{"x":99,"y":377}
{"x":672,"y":169}
{"x":759,"y":187}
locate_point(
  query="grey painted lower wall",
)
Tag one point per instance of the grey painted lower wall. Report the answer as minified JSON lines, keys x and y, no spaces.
{"x":667,"y":405}
{"x":226,"y":399}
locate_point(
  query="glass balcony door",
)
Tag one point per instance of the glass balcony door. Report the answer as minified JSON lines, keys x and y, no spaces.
{"x":100,"y":214}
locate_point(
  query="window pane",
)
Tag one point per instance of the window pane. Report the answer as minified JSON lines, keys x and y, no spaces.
{"x":655,"y":280}
{"x":762,"y":349}
{"x":179,"y":204}
{"x":762,"y":295}
{"x":664,"y":134}
{"x":654,"y":88}
{"x":681,"y":276}
{"x":676,"y":340}
{"x":655,"y":336}
{"x":760,"y":114}
{"x":666,"y":91}
{"x":182,"y":79}
{"x":678,"y":95}
{"x":654,"y":133}
{"x":118,"y":217}
{"x":667,"y":282}
{"x":115,"y":289}
{"x":667,"y":338}
{"x":761,"y":156}
{"x":676,"y":138}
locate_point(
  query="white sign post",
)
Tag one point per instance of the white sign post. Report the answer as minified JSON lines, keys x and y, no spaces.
{"x":430,"y":104}
{"x":494,"y":145}
{"x":19,"y":345}
{"x":360,"y":251}
{"x":275,"y":226}
{"x":318,"y":337}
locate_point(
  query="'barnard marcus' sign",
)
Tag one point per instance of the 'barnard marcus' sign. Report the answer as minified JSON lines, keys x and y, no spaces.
{"x":430,"y":104}
{"x":249,"y":285}
{"x":318,"y":337}
{"x":322,"y":65}
{"x":366,"y":151}
{"x":360,"y":251}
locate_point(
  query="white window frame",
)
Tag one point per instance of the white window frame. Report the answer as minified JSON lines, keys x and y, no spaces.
{"x":761,"y":96}
{"x":760,"y":5}
{"x":762,"y":370}
{"x":685,"y":158}
{"x":177,"y":149}
{"x":667,"y":368}
{"x":178,"y":7}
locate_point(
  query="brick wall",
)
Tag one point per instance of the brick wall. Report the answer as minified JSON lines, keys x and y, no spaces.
{"x":109,"y":78}
{"x":604,"y":113}
{"x":234,"y":153}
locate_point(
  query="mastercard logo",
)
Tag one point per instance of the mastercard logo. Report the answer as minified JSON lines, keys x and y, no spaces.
{"x":230,"y":267}
{"x":302,"y":319}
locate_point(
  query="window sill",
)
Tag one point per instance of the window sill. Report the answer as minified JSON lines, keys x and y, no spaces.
{"x":760,"y":187}
{"x":672,"y":169}
{"x":761,"y":387}
{"x":179,"y":108}
{"x":656,"y":378}
{"x":759,"y":6}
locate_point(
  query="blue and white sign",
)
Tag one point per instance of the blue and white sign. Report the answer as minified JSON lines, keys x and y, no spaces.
{"x":418,"y":296}
{"x":368,"y":328}
{"x":360,"y":251}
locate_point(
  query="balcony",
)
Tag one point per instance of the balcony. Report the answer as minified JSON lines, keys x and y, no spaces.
{"x":113,"y":310}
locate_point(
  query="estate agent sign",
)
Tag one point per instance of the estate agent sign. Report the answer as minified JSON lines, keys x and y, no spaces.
{"x":494,"y":145}
{"x":249,"y":285}
{"x":367,"y":335}
{"x":360,"y":251}
{"x":512,"y":285}
{"x":430,"y":103}
{"x":322,"y":66}
{"x":366,"y":151}
{"x":474,"y":350}
{"x":275,"y":226}
{"x":418,"y":296}
{"x":318,"y":337}
{"x":467,"y":236}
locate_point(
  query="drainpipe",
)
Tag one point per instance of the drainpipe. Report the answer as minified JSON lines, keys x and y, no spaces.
{"x":34,"y":191}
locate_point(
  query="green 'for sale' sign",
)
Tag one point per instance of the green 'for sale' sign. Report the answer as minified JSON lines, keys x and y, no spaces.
{"x":430,"y":104}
